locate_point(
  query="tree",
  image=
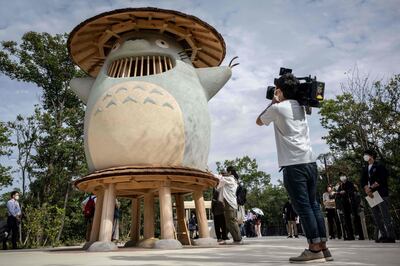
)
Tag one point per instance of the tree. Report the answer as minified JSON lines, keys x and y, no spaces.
{"x":247,"y":169}
{"x":25,"y":131}
{"x":5,"y":150}
{"x":365,"y":115}
{"x":58,"y":155}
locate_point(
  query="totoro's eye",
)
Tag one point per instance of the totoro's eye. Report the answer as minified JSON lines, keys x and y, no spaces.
{"x":162,"y":44}
{"x":115,"y":47}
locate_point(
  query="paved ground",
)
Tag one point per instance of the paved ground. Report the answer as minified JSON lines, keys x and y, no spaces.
{"x":261,"y":251}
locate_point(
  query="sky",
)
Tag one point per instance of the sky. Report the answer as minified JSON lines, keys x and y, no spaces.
{"x":327,"y":39}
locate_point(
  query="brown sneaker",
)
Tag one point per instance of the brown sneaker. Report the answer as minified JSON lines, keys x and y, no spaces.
{"x":327,"y":255}
{"x":308,"y":257}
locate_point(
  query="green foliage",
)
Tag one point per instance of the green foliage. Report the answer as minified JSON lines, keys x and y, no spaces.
{"x":125,"y":218}
{"x":5,"y":150}
{"x":42,"y":59}
{"x":42,"y":225}
{"x":50,"y":142}
{"x":247,"y":169}
{"x":25,"y":131}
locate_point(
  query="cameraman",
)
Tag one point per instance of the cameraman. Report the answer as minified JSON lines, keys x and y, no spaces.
{"x":296,"y":159}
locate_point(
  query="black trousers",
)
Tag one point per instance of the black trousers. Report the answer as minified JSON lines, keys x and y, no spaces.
{"x":333,"y":223}
{"x":358,"y":226}
{"x":220,"y":226}
{"x":12,"y":224}
{"x":348,"y":224}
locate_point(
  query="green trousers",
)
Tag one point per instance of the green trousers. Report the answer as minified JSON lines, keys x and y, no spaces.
{"x":231,"y":221}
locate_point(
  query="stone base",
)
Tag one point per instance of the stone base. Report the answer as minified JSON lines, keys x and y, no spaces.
{"x":131,"y":243}
{"x":102,"y":246}
{"x":147,"y":243}
{"x":205,"y":242}
{"x":168,"y":244}
{"x":87,"y":245}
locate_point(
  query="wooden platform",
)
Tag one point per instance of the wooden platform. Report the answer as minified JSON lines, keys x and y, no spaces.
{"x":136,"y":181}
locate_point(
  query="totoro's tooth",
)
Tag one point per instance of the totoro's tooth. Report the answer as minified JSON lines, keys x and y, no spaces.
{"x":149,"y":100}
{"x":129,"y":99}
{"x":168,"y":106}
{"x":156,"y":91}
{"x":112,"y":102}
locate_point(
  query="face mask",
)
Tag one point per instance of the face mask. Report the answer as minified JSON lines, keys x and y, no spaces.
{"x":366,"y":157}
{"x":343,"y":178}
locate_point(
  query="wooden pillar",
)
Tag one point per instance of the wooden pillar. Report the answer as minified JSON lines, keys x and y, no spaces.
{"x":94,"y":234}
{"x":135,"y":227}
{"x":201,"y":214}
{"x":107,"y":215}
{"x":182,"y":232}
{"x":166,"y":218}
{"x":148,"y":216}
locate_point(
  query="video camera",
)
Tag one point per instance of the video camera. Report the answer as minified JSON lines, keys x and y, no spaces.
{"x":310,"y":92}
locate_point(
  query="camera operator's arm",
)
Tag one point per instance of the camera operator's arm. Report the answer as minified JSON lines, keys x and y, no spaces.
{"x":267,"y":116}
{"x":263,"y":119}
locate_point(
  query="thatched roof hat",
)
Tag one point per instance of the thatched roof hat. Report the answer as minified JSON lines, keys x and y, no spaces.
{"x":90,"y":42}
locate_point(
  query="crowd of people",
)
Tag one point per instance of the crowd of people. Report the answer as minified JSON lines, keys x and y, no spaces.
{"x":344,"y":206}
{"x":343,"y":209}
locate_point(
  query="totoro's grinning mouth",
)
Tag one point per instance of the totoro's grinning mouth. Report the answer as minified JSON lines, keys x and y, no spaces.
{"x":138,"y":66}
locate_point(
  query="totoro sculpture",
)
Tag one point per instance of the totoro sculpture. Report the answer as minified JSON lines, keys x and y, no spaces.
{"x":147,"y":106}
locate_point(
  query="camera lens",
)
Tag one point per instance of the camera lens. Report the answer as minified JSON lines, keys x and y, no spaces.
{"x":270,"y":92}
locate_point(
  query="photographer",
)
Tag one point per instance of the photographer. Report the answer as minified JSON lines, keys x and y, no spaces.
{"x":296,"y":159}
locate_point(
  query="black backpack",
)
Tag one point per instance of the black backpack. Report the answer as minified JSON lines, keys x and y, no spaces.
{"x":241,"y":195}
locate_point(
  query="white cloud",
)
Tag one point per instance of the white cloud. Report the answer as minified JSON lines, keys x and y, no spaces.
{"x":323,"y":38}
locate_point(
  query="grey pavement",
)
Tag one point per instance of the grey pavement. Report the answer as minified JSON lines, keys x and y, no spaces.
{"x":256,"y":251}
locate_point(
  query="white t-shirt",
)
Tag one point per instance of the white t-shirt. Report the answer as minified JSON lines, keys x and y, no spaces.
{"x":291,"y":132}
{"x":227,"y":187}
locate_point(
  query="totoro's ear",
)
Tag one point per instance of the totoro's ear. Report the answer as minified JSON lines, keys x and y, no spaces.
{"x":81,"y":87}
{"x":213,"y":79}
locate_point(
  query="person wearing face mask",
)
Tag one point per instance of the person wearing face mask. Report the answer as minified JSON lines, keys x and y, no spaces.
{"x":346,"y":192}
{"x":296,"y":159}
{"x":351,"y":206}
{"x":375,"y":178}
{"x":330,"y":206}
{"x":14,"y":218}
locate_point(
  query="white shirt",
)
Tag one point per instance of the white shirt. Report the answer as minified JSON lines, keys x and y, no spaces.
{"x":291,"y":132}
{"x":328,"y":202}
{"x":13,"y":208}
{"x":227,"y":187}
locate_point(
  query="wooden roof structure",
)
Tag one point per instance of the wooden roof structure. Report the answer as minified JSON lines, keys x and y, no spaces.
{"x":90,"y":42}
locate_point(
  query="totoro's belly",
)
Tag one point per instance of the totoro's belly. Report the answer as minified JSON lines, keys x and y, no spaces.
{"x":135,"y":123}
